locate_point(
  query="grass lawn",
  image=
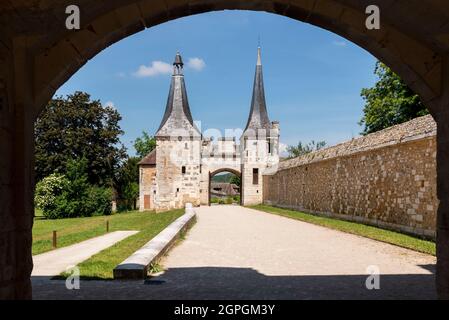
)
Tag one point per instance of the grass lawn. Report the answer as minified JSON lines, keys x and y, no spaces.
{"x":71,"y":231}
{"x":100,"y":266}
{"x":383,"y":235}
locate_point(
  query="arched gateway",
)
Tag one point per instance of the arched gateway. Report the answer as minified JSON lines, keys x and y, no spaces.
{"x":179,"y":170}
{"x":37,"y":55}
{"x":235,"y":172}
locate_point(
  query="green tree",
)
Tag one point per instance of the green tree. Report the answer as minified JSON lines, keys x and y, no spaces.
{"x":76,"y":127}
{"x":302,"y":149}
{"x":144,"y":144}
{"x":73,"y":200}
{"x":389,"y":102}
{"x":48,"y":189}
{"x":127,"y":182}
{"x":236,"y":180}
{"x":71,"y":195}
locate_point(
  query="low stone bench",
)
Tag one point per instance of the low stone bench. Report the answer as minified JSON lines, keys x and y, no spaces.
{"x":136,"y":266}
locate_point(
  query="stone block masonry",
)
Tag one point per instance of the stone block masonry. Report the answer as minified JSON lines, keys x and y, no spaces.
{"x":386,"y":179}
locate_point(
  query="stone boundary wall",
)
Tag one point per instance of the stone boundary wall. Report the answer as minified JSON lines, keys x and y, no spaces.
{"x":386,"y":179}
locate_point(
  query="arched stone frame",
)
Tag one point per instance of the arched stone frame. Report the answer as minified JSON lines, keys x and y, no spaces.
{"x":38,"y":55}
{"x":58,"y":56}
{"x":214,"y":173}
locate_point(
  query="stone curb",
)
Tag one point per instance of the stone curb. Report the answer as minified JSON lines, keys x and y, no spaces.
{"x":136,"y":266}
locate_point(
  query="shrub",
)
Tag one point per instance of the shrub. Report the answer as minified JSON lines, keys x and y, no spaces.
{"x":214,"y":200}
{"x":229,"y":200}
{"x":71,"y":195}
{"x":98,"y":202}
{"x":48,"y":190}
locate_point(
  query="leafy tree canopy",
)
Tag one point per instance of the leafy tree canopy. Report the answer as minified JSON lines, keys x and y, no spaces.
{"x":389,"y":102}
{"x":127,"y":183}
{"x":236,"y":180}
{"x":144,"y":144}
{"x":75,"y":127}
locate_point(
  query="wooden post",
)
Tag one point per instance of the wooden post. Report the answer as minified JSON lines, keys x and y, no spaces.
{"x":55,"y":244}
{"x":107,"y":226}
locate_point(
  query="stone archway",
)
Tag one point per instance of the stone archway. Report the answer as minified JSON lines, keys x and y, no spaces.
{"x":221,"y":170}
{"x":38,"y":54}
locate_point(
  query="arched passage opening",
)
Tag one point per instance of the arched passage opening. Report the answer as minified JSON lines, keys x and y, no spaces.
{"x":225,"y":186}
{"x":37,"y":58}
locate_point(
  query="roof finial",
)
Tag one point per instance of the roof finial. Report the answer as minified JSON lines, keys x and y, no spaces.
{"x":178,"y":64}
{"x":259,"y":56}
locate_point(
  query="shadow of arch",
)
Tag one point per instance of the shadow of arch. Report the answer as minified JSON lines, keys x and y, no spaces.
{"x":221,"y":283}
{"x":221,"y":170}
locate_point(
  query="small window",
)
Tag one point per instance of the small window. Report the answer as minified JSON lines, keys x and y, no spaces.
{"x":255,"y":176}
{"x":183,"y":170}
{"x":269,"y":147}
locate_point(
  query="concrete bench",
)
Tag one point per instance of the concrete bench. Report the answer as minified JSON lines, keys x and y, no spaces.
{"x":136,"y":266}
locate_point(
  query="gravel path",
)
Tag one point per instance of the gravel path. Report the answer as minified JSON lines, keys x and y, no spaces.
{"x":54,"y":262}
{"x":238,"y":253}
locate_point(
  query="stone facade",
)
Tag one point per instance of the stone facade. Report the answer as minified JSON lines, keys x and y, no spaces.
{"x":386,"y":179}
{"x":177,"y":174}
{"x":218,"y":156}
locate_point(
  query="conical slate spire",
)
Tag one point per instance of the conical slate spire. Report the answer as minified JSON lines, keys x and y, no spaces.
{"x":177,"y":117}
{"x":258,"y":116}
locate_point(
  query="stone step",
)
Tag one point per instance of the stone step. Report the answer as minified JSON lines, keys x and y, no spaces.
{"x":136,"y":266}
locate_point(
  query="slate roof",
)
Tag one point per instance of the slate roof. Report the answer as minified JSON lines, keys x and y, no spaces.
{"x":226,"y":188}
{"x":149,"y":159}
{"x":258,"y":115}
{"x":177,"y":118}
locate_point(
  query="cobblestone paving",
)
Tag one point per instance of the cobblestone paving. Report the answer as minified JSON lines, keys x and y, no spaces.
{"x":239,"y":253}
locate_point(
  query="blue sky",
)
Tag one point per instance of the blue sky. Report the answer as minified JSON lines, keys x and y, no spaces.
{"x":312,"y":77}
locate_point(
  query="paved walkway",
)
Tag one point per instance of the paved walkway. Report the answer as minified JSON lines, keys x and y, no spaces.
{"x":238,"y":253}
{"x":54,"y":262}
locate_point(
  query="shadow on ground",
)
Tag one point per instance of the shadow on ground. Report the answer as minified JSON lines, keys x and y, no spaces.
{"x":241,"y":283}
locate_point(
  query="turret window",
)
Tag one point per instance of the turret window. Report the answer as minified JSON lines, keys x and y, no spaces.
{"x":183,"y":170}
{"x":255,"y":176}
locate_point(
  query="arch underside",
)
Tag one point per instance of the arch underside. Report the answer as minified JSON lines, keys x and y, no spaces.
{"x":37,"y":55}
{"x":401,"y":43}
{"x":221,"y":170}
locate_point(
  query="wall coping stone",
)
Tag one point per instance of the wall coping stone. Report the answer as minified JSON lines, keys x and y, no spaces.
{"x":416,"y":129}
{"x":136,"y":266}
